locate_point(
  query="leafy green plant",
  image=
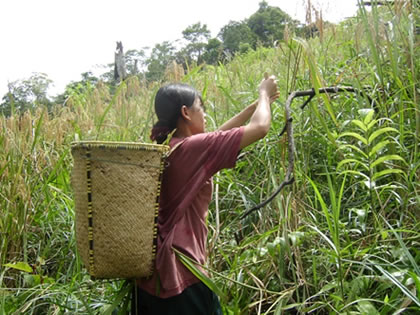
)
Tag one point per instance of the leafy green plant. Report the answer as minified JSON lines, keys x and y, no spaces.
{"x":368,"y":155}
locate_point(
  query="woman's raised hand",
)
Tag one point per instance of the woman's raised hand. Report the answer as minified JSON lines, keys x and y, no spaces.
{"x":268,"y":86}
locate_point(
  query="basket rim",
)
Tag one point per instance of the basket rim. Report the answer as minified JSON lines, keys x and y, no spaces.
{"x":119,"y":144}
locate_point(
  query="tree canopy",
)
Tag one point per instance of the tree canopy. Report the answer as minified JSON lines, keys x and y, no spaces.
{"x":235,"y":33}
{"x":162,"y":54}
{"x":268,"y":23}
{"x":26,"y":94}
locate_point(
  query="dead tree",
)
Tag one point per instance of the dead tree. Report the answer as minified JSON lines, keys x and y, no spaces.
{"x":119,"y":65}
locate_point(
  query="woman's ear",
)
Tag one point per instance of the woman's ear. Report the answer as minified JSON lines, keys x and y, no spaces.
{"x":185,"y":113}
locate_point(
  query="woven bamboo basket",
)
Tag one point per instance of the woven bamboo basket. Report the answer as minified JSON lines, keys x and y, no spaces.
{"x":116,"y":188}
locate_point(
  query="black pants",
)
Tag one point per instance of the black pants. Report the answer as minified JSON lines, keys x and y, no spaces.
{"x":197,"y":299}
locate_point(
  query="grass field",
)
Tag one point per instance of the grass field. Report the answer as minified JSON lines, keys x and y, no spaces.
{"x":343,"y":238}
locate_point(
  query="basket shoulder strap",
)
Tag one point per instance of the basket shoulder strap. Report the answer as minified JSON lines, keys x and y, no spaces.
{"x":175,"y":147}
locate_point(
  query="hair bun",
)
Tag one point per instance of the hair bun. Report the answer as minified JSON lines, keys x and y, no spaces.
{"x":159,"y":134}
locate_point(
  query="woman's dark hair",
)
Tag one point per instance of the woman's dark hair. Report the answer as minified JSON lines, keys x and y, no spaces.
{"x":168,"y":102}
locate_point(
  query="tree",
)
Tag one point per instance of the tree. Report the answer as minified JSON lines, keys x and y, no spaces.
{"x":161,"y":56}
{"x":89,"y":80}
{"x":235,"y":33}
{"x":213,"y":51}
{"x":197,"y":35}
{"x":108,"y":73}
{"x":268,"y":23}
{"x":119,"y":68}
{"x":134,"y":60}
{"x":26,"y":94}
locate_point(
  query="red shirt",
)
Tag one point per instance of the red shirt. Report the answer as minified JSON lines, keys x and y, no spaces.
{"x":185,"y":196}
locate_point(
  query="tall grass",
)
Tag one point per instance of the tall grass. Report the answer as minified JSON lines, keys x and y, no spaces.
{"x":343,"y":239}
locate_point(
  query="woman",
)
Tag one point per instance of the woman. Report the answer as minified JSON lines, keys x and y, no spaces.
{"x":187,"y":189}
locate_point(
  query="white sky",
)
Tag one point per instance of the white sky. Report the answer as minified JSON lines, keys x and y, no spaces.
{"x":64,"y":38}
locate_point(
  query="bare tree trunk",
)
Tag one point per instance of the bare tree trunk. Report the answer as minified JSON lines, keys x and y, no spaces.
{"x":119,"y":66}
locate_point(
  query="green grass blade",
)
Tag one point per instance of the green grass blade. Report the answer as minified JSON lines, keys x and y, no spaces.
{"x":37,"y":130}
{"x":101,"y":119}
{"x":192,"y":266}
{"x":413,"y":262}
{"x":395,"y":281}
{"x":325,"y":237}
{"x":124,"y":293}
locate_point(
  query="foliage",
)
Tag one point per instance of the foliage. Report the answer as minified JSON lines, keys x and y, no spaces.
{"x":196,"y":35}
{"x":26,"y":94}
{"x":162,"y":54}
{"x":88,"y":81}
{"x":134,"y":60}
{"x":268,"y":23}
{"x":369,"y":158}
{"x":264,"y":27}
{"x":213,"y":52}
{"x":344,"y":239}
{"x":236,"y":33}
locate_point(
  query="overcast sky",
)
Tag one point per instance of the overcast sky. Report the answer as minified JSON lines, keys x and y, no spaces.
{"x":64,"y":38}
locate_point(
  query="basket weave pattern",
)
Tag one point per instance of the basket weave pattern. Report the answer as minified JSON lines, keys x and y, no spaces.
{"x":116,"y":189}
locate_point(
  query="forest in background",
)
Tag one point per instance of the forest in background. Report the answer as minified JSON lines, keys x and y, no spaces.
{"x":342,"y":239}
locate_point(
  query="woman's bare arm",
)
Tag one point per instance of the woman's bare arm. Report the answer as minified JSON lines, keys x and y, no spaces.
{"x":241,"y":118}
{"x":260,"y":121}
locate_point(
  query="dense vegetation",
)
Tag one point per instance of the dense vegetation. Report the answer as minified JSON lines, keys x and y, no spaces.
{"x":344,"y":238}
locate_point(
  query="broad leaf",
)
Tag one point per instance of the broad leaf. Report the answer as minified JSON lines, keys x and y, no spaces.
{"x":22,"y":266}
{"x":357,"y":173}
{"x":378,"y":132}
{"x":386,"y":172}
{"x":347,"y":161}
{"x":371,"y":124}
{"x":359,"y":124}
{"x":378,"y":147}
{"x":354,"y":135}
{"x":369,"y":116}
{"x":392,"y":157}
{"x":365,"y":113}
{"x":353,"y":147}
{"x":366,"y":307}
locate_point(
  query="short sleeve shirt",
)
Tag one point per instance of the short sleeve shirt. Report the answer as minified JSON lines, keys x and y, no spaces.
{"x":185,"y":196}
